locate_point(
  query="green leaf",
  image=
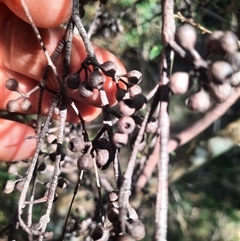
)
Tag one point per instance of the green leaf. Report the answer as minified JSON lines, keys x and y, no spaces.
{"x":155,"y":51}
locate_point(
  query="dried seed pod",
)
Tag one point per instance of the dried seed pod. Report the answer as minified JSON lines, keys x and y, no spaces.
{"x":152,"y":126}
{"x":11,"y":84}
{"x":212,"y":43}
{"x":100,"y":234}
{"x":20,"y":185}
{"x":134,"y":77}
{"x":73,"y":81}
{"x":120,"y":139}
{"x":220,"y":92}
{"x":113,"y":214}
{"x":77,"y":144}
{"x":124,"y":237}
{"x":126,"y":124}
{"x":235,"y":79}
{"x":234,"y":60}
{"x":85,"y":90}
{"x":102,"y":157}
{"x":219,"y":72}
{"x":121,"y":94}
{"x":85,"y":162}
{"x":229,"y":42}
{"x":136,"y":101}
{"x":12,"y":105}
{"x":96,"y":80}
{"x":113,"y":196}
{"x":26,"y":105}
{"x":136,"y":229}
{"x":135,"y":90}
{"x":109,"y":68}
{"x":186,"y":36}
{"x":199,"y":101}
{"x":124,"y":109}
{"x":179,"y":83}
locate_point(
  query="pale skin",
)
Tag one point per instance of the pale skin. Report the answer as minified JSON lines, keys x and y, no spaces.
{"x":22,"y":58}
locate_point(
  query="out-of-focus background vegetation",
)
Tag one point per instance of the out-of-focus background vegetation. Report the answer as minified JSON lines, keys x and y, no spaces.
{"x":205,"y":173}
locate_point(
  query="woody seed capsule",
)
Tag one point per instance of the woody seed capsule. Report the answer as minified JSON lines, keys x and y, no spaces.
{"x":11,"y":84}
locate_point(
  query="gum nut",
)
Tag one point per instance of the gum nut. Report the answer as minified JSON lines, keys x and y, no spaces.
{"x":179,"y":83}
{"x":76,"y":144}
{"x":73,"y":81}
{"x":234,"y":60}
{"x":235,"y":79}
{"x":102,"y":157}
{"x":84,"y":90}
{"x":199,"y":101}
{"x":219,"y":72}
{"x":186,"y":36}
{"x":124,"y":109}
{"x":113,"y":214}
{"x":113,"y":196}
{"x":109,"y":68}
{"x":100,"y":234}
{"x":126,"y":124}
{"x":220,"y":92}
{"x":229,"y":42}
{"x":135,"y":90}
{"x":85,"y":162}
{"x":120,"y":139}
{"x":12,"y":105}
{"x":212,"y":42}
{"x":96,"y":80}
{"x":134,"y":77}
{"x":11,"y":84}
{"x":121,"y":94}
{"x":136,"y":101}
{"x":26,"y":105}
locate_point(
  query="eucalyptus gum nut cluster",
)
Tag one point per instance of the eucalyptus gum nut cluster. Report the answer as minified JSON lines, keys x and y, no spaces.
{"x":186,"y":36}
{"x":220,"y":92}
{"x":219,"y":72}
{"x":179,"y":83}
{"x":199,"y":101}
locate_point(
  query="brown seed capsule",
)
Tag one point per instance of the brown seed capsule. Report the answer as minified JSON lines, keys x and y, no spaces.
{"x":136,"y":101}
{"x":135,"y":90}
{"x":126,"y":124}
{"x":109,"y":68}
{"x":9,"y":187}
{"x":113,"y":196}
{"x":134,"y":77}
{"x":96,"y":80}
{"x":113,"y":214}
{"x":26,"y":105}
{"x":179,"y":83}
{"x":77,"y":144}
{"x":229,"y":42}
{"x":20,"y":185}
{"x":11,"y":84}
{"x":85,"y":162}
{"x":120,"y":139}
{"x":121,"y":94}
{"x":234,"y":60}
{"x":73,"y":81}
{"x":102,"y":157}
{"x":220,"y":92}
{"x":235,"y":79}
{"x":100,"y":234}
{"x":124,"y":109}
{"x":12,"y":105}
{"x":124,"y":237}
{"x":199,"y":101}
{"x":136,"y":229}
{"x":219,"y":72}
{"x":186,"y":36}
{"x":85,"y":90}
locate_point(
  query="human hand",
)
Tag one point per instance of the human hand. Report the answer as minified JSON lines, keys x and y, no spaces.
{"x":23,"y":59}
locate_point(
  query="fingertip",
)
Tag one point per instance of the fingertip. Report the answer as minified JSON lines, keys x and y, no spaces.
{"x":14,"y":145}
{"x":45,"y":13}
